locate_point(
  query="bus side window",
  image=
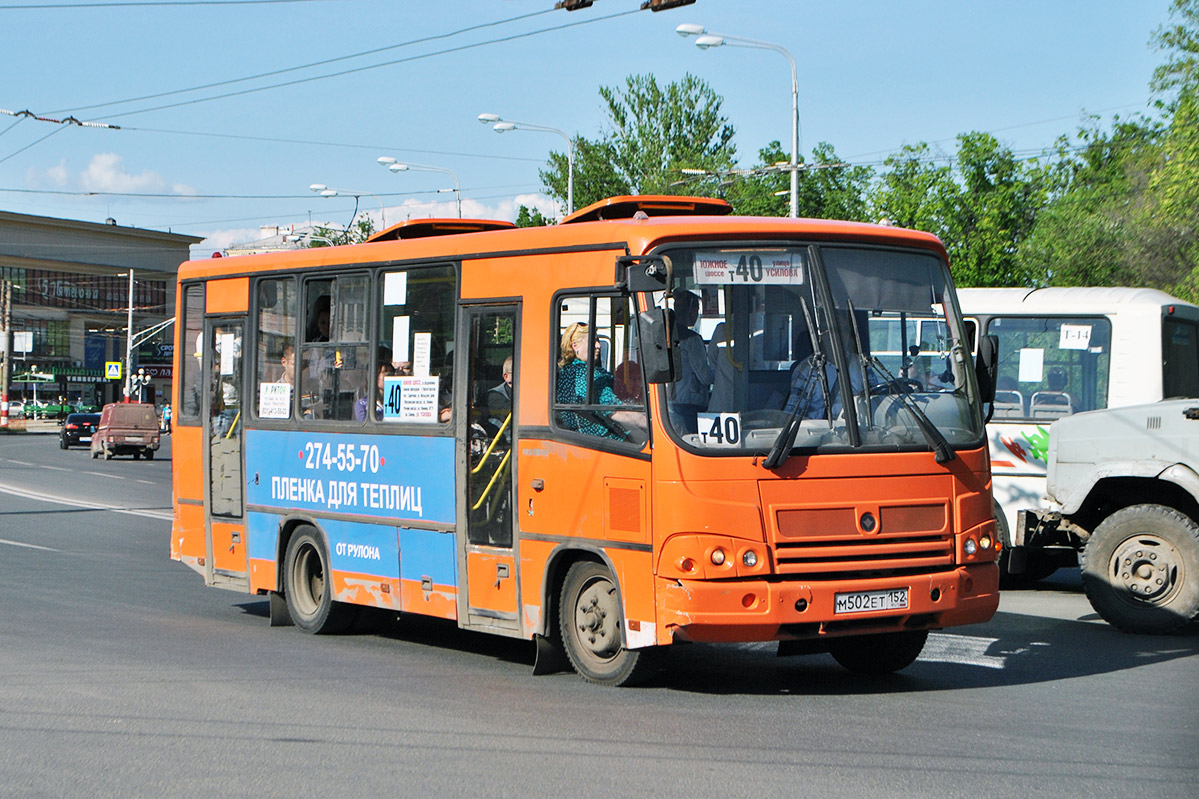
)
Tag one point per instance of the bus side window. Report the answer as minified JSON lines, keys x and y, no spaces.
{"x":336,"y":357}
{"x":585,"y":393}
{"x":416,"y":312}
{"x":276,"y":353}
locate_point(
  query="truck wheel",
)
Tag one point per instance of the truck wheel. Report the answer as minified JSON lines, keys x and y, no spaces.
{"x":308,"y":586}
{"x":149,"y":454}
{"x":1140,"y":569}
{"x":590,"y":619}
{"x":873,"y":655}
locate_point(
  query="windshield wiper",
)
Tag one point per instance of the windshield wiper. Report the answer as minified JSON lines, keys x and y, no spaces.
{"x":780,"y":450}
{"x":932,"y":435}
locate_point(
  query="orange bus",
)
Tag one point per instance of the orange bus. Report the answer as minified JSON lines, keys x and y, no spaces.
{"x":652,"y":423}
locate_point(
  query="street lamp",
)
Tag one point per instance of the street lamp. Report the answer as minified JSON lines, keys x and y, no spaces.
{"x":706,"y":40}
{"x":500,"y":125}
{"x":396,"y":167}
{"x":325,"y":191}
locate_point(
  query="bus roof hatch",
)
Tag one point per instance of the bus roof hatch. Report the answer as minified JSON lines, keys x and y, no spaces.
{"x":650,"y":205}
{"x":425,"y":228}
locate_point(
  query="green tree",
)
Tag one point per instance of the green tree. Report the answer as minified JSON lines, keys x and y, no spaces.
{"x":531,"y":217}
{"x":654,"y":132}
{"x":914,"y":191}
{"x":359,"y":231}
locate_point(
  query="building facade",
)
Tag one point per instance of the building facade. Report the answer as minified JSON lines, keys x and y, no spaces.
{"x":69,"y":301}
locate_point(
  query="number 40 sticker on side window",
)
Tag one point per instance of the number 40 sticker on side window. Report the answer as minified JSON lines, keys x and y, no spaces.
{"x":719,"y":429}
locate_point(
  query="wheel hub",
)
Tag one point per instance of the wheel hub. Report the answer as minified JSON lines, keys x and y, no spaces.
{"x":596,"y":620}
{"x":1146,"y":568}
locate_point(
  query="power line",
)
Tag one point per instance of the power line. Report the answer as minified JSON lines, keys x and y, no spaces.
{"x":307,"y":66}
{"x":355,"y":70}
{"x":147,"y":3}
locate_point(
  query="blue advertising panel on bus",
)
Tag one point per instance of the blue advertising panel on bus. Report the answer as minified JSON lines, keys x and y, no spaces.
{"x":392,"y":477}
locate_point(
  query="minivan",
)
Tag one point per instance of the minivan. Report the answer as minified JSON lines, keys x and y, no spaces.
{"x":126,"y":428}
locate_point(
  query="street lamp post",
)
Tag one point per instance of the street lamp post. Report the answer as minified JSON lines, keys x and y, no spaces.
{"x":395,"y":167}
{"x":706,"y":40}
{"x":129,"y":341}
{"x":501,"y":125}
{"x":325,"y":191}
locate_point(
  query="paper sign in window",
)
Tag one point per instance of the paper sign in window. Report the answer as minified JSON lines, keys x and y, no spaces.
{"x":1032,"y":365}
{"x":225,"y":343}
{"x":399,"y":340}
{"x":410,"y":399}
{"x":274,"y":400}
{"x":395,"y":288}
{"x":422,"y":348}
{"x":1075,"y":337}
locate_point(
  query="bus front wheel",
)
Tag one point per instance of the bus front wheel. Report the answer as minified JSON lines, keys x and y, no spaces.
{"x":878,"y":654}
{"x":591,"y":621}
{"x":308,"y":585}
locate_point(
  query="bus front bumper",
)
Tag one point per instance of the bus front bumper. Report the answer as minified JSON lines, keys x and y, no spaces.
{"x":761,"y":610}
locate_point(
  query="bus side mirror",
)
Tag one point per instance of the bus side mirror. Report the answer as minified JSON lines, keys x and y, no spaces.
{"x":986,"y":368}
{"x":657,"y":350}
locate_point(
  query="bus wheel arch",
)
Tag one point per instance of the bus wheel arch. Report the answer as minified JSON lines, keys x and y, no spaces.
{"x":307,"y":583}
{"x":590,"y":619}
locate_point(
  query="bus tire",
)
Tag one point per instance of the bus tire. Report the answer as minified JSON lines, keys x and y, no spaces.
{"x":590,"y":620}
{"x":308,"y":586}
{"x":872,"y":655}
{"x":1140,"y":569}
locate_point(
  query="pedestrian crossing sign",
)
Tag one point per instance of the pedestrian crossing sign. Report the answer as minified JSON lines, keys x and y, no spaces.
{"x":112,"y":370}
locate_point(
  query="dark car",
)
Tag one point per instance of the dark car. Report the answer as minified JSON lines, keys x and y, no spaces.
{"x":78,"y":429}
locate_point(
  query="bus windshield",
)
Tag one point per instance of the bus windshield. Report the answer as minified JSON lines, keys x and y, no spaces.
{"x":820,"y":346}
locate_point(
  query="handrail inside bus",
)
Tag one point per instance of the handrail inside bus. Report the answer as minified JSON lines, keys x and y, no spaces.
{"x":501,"y":470}
{"x":495,"y":441}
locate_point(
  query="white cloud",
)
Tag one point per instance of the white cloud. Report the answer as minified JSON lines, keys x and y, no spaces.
{"x":106,"y":172}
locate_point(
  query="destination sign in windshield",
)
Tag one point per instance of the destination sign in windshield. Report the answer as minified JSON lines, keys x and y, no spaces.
{"x":783,"y":267}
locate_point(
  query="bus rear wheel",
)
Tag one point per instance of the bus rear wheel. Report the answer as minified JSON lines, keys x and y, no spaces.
{"x":590,"y":620}
{"x":308,"y":588}
{"x":878,"y":654}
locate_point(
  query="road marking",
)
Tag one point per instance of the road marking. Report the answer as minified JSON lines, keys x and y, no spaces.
{"x":968,"y":650}
{"x":164,"y":515}
{"x":109,"y":476}
{"x":27,"y":546}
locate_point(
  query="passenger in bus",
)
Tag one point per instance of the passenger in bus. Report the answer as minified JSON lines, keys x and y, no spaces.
{"x":688,"y":395}
{"x":499,"y":396}
{"x":318,"y":327}
{"x":360,"y":407}
{"x":572,"y":390}
{"x":286,"y":370}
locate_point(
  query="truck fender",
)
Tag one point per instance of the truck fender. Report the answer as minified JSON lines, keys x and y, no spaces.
{"x":1153,"y":470}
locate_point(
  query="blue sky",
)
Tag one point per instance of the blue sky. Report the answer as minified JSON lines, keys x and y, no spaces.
{"x":873,"y":75}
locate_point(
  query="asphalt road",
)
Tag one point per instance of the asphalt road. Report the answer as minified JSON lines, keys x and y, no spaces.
{"x":122,"y":675}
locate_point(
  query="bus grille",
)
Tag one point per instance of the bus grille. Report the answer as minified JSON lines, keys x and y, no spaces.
{"x":858,"y":555}
{"x":828,"y":543}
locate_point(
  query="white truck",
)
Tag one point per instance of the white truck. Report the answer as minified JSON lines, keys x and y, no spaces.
{"x":1063,"y":351}
{"x":1123,"y":488}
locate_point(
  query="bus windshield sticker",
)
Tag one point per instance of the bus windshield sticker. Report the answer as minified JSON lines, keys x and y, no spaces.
{"x":422,"y":348}
{"x":1075,"y":337}
{"x":410,"y":399}
{"x":781,"y":267}
{"x":399,"y":340}
{"x":274,"y":400}
{"x":395,"y":288}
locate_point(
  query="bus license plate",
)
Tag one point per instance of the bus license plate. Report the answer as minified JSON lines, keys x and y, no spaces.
{"x":867,"y":601}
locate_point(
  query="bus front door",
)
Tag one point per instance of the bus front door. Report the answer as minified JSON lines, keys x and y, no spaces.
{"x":223,"y":423}
{"x":486,"y":555}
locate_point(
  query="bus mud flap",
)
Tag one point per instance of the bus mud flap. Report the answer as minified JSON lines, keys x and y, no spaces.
{"x":280,"y":617}
{"x":550,"y":658}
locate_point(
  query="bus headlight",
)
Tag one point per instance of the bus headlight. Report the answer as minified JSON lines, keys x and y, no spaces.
{"x":970,"y":547}
{"x":750,"y":558}
{"x":718,"y":557}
